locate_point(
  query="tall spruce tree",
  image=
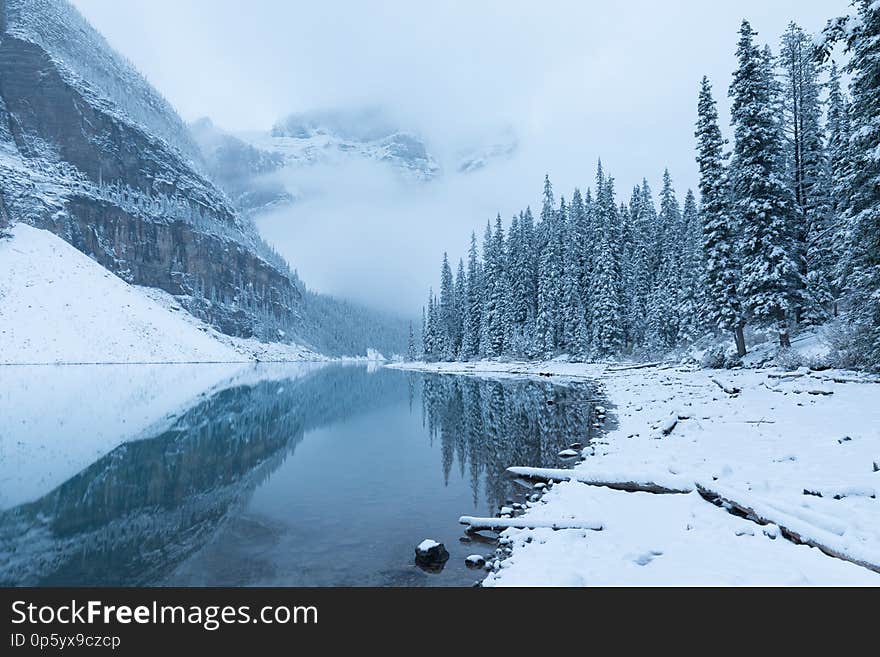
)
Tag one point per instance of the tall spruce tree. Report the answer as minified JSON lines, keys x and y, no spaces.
{"x":839,"y":175}
{"x":860,"y":32}
{"x":605,"y":282}
{"x":719,"y":238}
{"x":549,"y":263}
{"x":474,"y":304}
{"x":762,"y":200}
{"x":807,"y":172}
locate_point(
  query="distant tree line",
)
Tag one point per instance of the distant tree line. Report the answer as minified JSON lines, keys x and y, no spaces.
{"x":786,"y":233}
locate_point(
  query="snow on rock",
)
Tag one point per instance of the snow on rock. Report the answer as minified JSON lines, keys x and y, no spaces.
{"x":475,"y":561}
{"x":427,"y":544}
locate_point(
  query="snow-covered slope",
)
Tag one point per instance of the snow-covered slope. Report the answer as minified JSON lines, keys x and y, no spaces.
{"x":58,"y":305}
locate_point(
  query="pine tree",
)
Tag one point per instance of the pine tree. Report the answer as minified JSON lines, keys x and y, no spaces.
{"x":638,"y":272}
{"x":762,"y":201}
{"x":474,"y":303}
{"x":839,"y":176}
{"x":665,"y":298}
{"x":446,"y":327}
{"x":494,"y":291}
{"x":548,"y":265}
{"x":689,"y":300}
{"x":528,"y":269}
{"x":861,"y":35}
{"x":487,"y":296}
{"x":807,"y":172}
{"x":411,"y":344}
{"x":605,"y":282}
{"x":460,"y":309}
{"x":719,"y":239}
{"x":569,"y":297}
{"x":429,"y":346}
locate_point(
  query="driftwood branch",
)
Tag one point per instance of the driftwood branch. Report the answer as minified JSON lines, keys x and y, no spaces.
{"x":477,"y":524}
{"x":743,"y":510}
{"x":547,"y":474}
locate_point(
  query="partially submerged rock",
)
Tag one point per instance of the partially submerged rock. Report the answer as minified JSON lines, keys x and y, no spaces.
{"x":475,"y":561}
{"x":431,"y":555}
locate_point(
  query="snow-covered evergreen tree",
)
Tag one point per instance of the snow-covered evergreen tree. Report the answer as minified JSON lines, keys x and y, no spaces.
{"x":690,"y":302}
{"x":807,"y":172}
{"x":860,"y":32}
{"x":549,"y":266}
{"x":607,"y":337}
{"x":762,"y":200}
{"x":474,"y":304}
{"x":839,"y":174}
{"x":719,"y":238}
{"x":460,"y":293}
{"x":446,"y":328}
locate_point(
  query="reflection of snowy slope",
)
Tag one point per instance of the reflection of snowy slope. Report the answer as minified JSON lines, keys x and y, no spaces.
{"x":188,"y":460}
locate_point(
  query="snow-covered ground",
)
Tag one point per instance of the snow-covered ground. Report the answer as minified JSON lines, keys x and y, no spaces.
{"x":802,"y":449}
{"x":59,"y":306}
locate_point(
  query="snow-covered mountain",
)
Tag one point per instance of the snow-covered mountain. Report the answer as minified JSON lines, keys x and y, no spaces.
{"x":260,"y":170}
{"x":246,"y":173}
{"x":90,"y":151}
{"x":328,"y":137}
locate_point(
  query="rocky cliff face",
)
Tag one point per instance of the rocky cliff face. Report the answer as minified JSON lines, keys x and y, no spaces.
{"x":90,"y":151}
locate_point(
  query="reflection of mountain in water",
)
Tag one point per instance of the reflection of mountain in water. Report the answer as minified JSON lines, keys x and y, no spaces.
{"x":133,"y":515}
{"x":487,"y":426}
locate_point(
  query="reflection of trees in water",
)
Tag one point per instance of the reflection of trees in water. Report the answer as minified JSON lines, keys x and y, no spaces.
{"x":133,"y":515}
{"x":489,"y":425}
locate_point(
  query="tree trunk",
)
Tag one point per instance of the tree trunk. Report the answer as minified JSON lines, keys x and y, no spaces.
{"x":740,"y":340}
{"x":784,"y":340}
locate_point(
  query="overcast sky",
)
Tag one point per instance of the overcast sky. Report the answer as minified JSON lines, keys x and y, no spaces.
{"x":575,"y":80}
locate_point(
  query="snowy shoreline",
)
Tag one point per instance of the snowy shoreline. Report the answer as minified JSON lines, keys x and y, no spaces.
{"x":801,"y":449}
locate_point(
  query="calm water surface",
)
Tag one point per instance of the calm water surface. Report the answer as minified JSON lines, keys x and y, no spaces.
{"x":327,"y":477}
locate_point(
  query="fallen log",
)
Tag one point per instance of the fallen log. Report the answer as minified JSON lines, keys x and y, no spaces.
{"x":730,"y":390}
{"x":640,"y":366}
{"x":476,"y":524}
{"x":779,"y":519}
{"x":629,"y":486}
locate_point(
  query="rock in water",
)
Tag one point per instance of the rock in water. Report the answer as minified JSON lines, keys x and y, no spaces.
{"x":431,"y":555}
{"x":475,"y":561}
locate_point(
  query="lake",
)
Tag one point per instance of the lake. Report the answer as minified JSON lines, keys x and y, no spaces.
{"x":268,"y":475}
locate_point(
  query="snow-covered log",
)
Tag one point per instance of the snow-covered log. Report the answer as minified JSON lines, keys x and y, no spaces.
{"x":671,"y":485}
{"x":633,"y":367}
{"x":476,"y":524}
{"x":830,"y":541}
